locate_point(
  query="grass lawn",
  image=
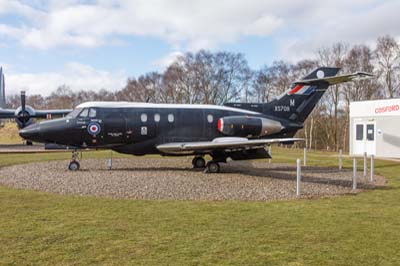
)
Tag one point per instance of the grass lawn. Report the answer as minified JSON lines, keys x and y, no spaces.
{"x":44,"y":229}
{"x":9,"y":134}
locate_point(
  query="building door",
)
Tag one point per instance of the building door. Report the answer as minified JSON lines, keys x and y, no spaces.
{"x":365,"y":138}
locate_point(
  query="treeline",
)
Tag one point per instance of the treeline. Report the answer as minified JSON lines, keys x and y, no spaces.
{"x":216,"y":78}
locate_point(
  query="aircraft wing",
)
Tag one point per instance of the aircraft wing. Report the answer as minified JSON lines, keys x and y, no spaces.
{"x":10,"y":113}
{"x":55,"y":112}
{"x":223,"y":143}
{"x":7,"y":113}
{"x":338,"y":79}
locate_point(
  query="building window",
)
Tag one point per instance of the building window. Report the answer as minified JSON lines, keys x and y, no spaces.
{"x":370,"y":132}
{"x":171,"y":118}
{"x":359,"y":132}
{"x":210,"y":118}
{"x":157,"y":117}
{"x":143,"y":117}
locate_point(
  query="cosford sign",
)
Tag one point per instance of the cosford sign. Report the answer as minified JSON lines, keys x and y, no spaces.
{"x":387,"y":109}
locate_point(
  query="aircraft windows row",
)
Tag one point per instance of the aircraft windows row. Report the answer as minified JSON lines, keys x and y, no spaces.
{"x":157,"y":118}
{"x":171,"y":118}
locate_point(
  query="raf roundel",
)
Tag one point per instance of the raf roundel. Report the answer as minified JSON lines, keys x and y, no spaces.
{"x":320,"y":74}
{"x":94,"y":128}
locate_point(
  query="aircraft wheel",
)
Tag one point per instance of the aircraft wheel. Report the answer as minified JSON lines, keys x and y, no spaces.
{"x":198,"y":162}
{"x":212,"y":167}
{"x":73,"y":166}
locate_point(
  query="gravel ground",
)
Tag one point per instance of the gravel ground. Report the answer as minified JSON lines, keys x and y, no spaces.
{"x":173,"y":179}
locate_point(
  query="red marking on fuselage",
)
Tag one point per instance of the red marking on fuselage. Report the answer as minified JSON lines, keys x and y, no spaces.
{"x":296,"y":89}
{"x":219,"y":125}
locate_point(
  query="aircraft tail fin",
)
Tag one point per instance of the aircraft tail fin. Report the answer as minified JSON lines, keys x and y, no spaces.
{"x":297,"y":103}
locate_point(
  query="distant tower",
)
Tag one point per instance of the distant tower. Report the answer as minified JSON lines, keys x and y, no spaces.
{"x":2,"y":90}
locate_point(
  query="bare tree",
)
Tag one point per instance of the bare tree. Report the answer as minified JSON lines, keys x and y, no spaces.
{"x":333,"y":56}
{"x":281,"y":76}
{"x":262,"y":84}
{"x":63,"y":97}
{"x":388,"y":63}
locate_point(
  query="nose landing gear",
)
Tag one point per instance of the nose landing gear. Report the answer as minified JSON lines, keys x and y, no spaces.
{"x":74,"y":164}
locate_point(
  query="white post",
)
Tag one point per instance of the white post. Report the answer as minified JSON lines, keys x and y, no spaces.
{"x":270,"y":152}
{"x":298,"y":162}
{"x":109,"y":161}
{"x":372,"y":168}
{"x":365,"y":164}
{"x":305,"y":157}
{"x":354,"y":173}
{"x":340,"y":160}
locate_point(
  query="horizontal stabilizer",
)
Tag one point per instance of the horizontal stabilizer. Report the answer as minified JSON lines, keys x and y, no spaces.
{"x":337,"y":79}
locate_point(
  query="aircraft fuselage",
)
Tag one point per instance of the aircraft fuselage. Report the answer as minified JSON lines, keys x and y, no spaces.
{"x":137,"y":128}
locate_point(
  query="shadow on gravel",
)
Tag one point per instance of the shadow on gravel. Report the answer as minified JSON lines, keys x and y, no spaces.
{"x":289,"y":173}
{"x":282,"y":172}
{"x":152,"y":169}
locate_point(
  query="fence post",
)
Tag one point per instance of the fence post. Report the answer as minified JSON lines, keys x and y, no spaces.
{"x":354,"y":173}
{"x":372,"y":168}
{"x":305,"y":157}
{"x":270,"y":152}
{"x":109,"y":161}
{"x":365,"y":164}
{"x":340,"y":160}
{"x":298,"y":163}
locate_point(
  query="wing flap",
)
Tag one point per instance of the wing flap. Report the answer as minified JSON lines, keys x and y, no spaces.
{"x":223,"y":143}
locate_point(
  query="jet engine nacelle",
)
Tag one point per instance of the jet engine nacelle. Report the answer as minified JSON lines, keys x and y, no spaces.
{"x":248,"y":126}
{"x":24,"y":117}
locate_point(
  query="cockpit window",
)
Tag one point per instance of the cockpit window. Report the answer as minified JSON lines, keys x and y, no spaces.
{"x":92,"y":113}
{"x":84,"y":113}
{"x":74,"y":113}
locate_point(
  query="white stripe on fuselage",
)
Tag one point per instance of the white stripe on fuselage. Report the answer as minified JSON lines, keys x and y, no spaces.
{"x":162,"y":105}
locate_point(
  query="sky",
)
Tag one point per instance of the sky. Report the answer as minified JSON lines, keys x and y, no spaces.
{"x":100,"y":44}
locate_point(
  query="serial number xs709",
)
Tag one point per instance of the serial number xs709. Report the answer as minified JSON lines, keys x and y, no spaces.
{"x":282,"y":108}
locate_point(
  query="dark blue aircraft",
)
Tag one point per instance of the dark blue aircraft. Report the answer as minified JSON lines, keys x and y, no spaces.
{"x":238,"y":131}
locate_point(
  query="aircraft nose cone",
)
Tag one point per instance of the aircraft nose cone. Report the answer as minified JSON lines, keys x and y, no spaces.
{"x":31,"y":132}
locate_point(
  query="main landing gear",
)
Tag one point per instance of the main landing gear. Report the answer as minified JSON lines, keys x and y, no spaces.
{"x":198,"y":162}
{"x":74,"y":164}
{"x":212,"y":166}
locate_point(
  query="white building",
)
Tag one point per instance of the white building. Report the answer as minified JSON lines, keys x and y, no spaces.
{"x":375,"y":128}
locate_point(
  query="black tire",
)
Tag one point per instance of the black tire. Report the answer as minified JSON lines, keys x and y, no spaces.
{"x":198,"y":162}
{"x":74,"y":166}
{"x":212,"y":167}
